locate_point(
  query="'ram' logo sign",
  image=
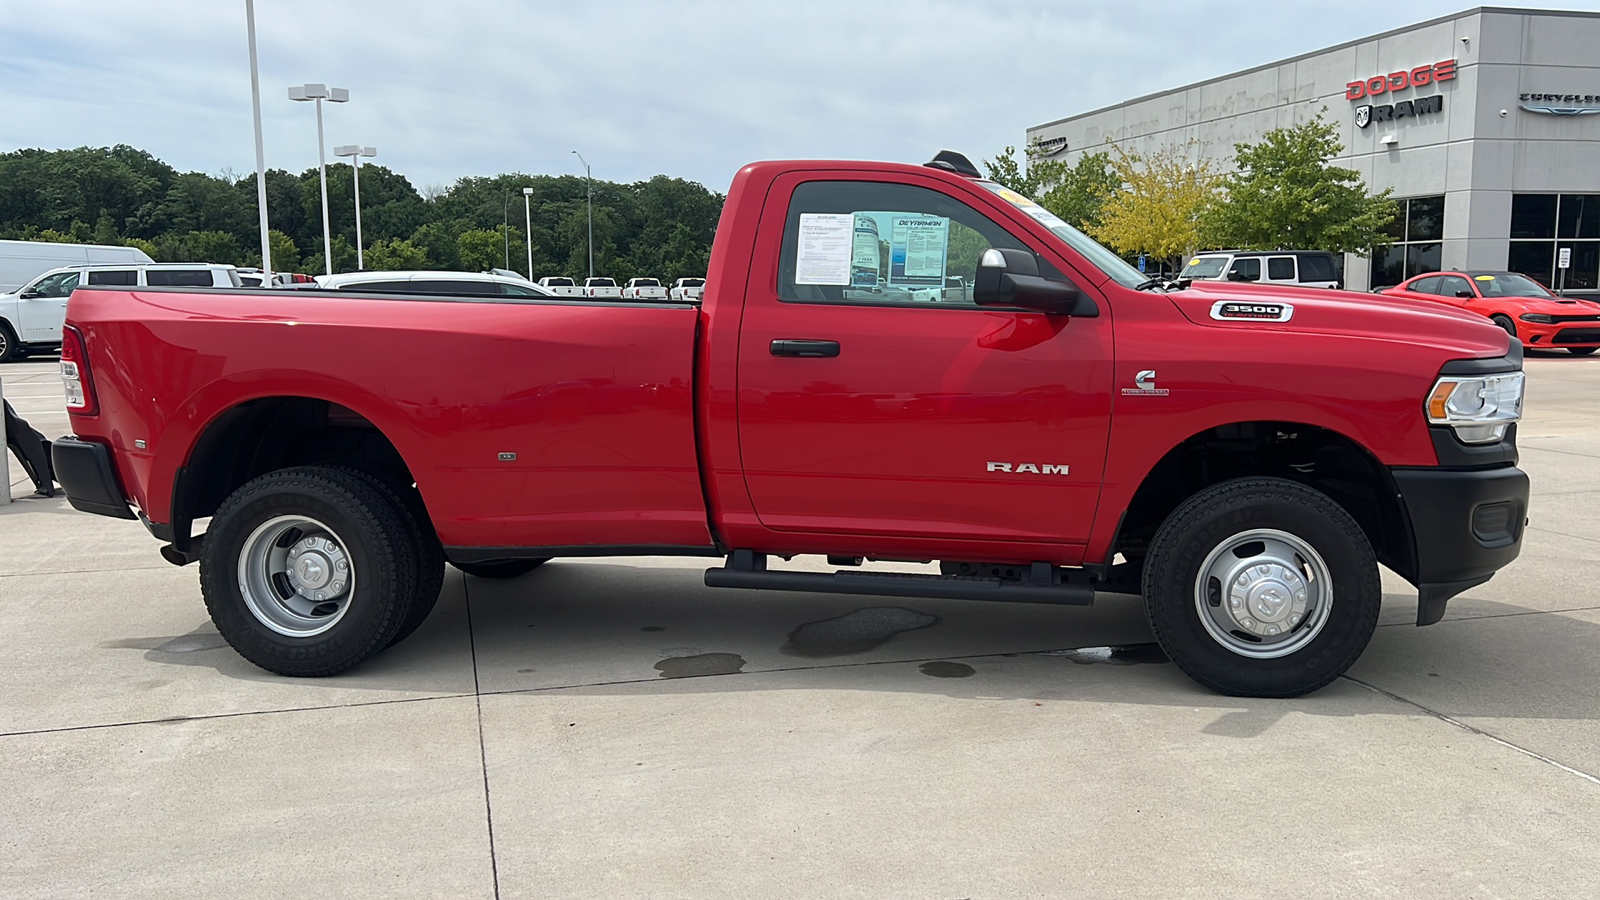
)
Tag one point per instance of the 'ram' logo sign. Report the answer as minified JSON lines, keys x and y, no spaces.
{"x":1027,"y":468}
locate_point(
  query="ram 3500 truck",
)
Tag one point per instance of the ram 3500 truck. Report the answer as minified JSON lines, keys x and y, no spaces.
{"x":1243,"y":456}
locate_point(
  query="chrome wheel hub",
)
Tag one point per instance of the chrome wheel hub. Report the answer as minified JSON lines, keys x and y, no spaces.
{"x":1264,"y":593}
{"x":296,"y":576}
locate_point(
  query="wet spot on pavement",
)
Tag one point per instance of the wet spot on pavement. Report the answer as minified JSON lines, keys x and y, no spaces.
{"x":1129,"y":655}
{"x":703,"y":664}
{"x":943,"y":669}
{"x":855,"y":632}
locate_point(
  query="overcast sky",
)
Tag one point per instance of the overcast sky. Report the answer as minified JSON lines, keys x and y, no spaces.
{"x":691,"y":88}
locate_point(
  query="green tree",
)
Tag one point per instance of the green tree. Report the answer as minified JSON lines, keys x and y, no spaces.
{"x":285,"y":255}
{"x":482,"y":249}
{"x":1030,"y":181}
{"x":1165,"y":196}
{"x":1285,"y":196}
{"x":1081,"y":190}
{"x":200,"y":246}
{"x":395,"y":255}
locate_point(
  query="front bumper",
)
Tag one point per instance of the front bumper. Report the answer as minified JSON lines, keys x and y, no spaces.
{"x":1467,"y":524}
{"x":85,"y":473}
{"x":1559,"y":335}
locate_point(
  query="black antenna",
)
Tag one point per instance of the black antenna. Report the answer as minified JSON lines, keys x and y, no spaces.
{"x":951,"y":161}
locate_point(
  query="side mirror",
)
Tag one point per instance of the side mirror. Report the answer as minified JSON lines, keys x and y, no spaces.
{"x":1465,"y":293}
{"x":28,"y":294}
{"x":1236,"y":275}
{"x":1011,"y":278}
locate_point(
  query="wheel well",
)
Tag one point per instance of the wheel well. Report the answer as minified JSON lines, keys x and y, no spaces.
{"x":1316,"y":457}
{"x":259,"y":436}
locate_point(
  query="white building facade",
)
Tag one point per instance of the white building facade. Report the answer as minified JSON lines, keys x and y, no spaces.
{"x":1485,"y":124}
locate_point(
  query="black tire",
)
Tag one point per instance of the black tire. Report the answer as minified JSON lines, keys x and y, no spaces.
{"x":9,"y":348}
{"x":1582,"y":351}
{"x":375,"y":538}
{"x":1324,"y":643}
{"x":1506,"y":325}
{"x":430,"y":553}
{"x":500,"y":568}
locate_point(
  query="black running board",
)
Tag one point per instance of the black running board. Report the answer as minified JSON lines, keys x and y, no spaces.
{"x":1045,"y":583}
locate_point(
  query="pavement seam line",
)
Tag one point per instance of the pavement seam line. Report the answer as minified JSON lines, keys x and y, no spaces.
{"x":1448,"y":720}
{"x":170,"y":720}
{"x":1576,"y":537}
{"x":1510,"y":615}
{"x":483,"y":753}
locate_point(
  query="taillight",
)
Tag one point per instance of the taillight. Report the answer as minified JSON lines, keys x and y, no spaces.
{"x":75,"y":373}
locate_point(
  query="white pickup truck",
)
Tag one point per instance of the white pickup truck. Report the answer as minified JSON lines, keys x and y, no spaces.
{"x":561,"y":286}
{"x":691,"y":289}
{"x":31,"y":318}
{"x":644,"y":289}
{"x":601,"y":289}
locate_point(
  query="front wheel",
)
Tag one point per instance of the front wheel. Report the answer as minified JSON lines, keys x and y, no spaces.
{"x":1262,"y":587}
{"x":9,"y":349}
{"x":1506,"y":325}
{"x":308,"y":571}
{"x":1582,"y":351}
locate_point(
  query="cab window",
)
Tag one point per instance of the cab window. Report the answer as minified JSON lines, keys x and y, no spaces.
{"x":1429,"y":285}
{"x":58,"y":285}
{"x":875,"y":243}
{"x":1455,"y":286}
{"x":115,"y":276}
{"x":1280,"y":268}
{"x":1246,"y":270}
{"x":178,"y":277}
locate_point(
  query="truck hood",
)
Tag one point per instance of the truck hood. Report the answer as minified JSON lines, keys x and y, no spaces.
{"x":1321,"y":311}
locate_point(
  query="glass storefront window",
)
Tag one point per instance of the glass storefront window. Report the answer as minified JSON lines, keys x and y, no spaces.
{"x":1580,"y":216}
{"x":1423,"y":258}
{"x":1535,"y":259}
{"x":1533,"y":216}
{"x":1425,"y":219}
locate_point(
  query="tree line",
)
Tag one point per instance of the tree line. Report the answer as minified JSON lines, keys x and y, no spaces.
{"x":659,"y":228}
{"x":1283,"y":194}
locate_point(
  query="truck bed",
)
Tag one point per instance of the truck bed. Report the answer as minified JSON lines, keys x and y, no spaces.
{"x":526,"y":421}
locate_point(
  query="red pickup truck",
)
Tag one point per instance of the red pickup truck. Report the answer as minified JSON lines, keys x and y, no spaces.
{"x":1242,"y":456}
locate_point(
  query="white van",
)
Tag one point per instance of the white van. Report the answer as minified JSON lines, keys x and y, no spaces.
{"x":22,"y":261}
{"x":31,"y":319}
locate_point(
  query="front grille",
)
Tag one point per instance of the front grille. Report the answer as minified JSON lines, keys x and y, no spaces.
{"x":1564,"y":319}
{"x":1577,"y":336}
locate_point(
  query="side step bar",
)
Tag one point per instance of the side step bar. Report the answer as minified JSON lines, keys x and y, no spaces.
{"x":1044,"y":584}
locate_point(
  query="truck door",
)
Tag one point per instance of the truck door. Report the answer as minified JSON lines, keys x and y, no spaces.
{"x":893,"y":406}
{"x":42,"y":308}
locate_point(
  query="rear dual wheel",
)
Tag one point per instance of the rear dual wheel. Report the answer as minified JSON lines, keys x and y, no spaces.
{"x":310,"y":570}
{"x":1262,"y":587}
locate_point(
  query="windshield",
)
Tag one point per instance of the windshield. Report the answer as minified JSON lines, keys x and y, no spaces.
{"x":694,"y":282}
{"x":646,"y":282}
{"x":558,"y":282}
{"x":1103,"y":259}
{"x":1510,"y":284}
{"x":1204,"y":267}
{"x":600,"y":282}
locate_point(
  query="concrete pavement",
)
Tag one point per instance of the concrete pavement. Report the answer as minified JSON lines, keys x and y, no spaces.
{"x":611,"y":728}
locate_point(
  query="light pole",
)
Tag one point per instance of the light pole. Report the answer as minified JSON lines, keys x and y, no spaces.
{"x":527,"y":213}
{"x":261,"y":159}
{"x":355,"y":152}
{"x":319,"y":93}
{"x":588,"y":178}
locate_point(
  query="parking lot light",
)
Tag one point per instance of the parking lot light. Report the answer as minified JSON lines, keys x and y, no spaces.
{"x":588,"y":178}
{"x":319,"y":93}
{"x":355,"y":152}
{"x":527,"y":212}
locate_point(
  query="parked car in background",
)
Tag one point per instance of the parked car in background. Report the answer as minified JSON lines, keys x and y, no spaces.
{"x":424,"y":281}
{"x":601,"y":289}
{"x":1306,"y":268}
{"x":31,"y":318}
{"x":1526,"y":309}
{"x":561,"y":286}
{"x":22,"y":261}
{"x":689,"y":289}
{"x":644,"y":289}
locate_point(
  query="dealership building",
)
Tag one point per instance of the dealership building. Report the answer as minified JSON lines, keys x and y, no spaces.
{"x":1485,"y":125}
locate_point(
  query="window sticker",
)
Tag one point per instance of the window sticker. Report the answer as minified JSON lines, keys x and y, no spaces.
{"x":917,"y":250}
{"x":1485,"y":278}
{"x":823,"y":256}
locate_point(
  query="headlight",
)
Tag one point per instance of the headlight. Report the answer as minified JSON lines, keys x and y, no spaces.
{"x":1478,"y":407}
{"x":1538,"y":318}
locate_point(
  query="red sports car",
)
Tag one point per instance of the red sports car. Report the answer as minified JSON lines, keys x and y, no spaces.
{"x":1526,"y":309}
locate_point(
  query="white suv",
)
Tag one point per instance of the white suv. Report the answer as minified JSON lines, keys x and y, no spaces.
{"x":1306,"y":268}
{"x":31,"y":318}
